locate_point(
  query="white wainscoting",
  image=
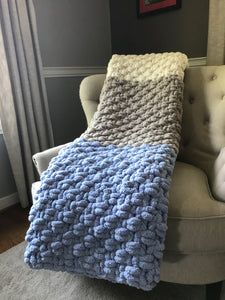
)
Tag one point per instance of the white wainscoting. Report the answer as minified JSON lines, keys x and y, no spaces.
{"x":8,"y":201}
{"x":53,"y":72}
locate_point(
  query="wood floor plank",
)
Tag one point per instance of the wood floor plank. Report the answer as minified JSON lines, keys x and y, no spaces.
{"x":13,"y":226}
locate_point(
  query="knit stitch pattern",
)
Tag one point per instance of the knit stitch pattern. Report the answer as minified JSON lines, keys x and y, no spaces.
{"x":102,"y":206}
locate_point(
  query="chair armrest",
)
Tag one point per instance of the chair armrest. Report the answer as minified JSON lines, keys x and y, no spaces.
{"x":42,"y":159}
{"x":219,"y":176}
{"x":90,"y":89}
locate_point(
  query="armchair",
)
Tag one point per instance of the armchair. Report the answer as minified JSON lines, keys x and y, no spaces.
{"x":195,"y":242}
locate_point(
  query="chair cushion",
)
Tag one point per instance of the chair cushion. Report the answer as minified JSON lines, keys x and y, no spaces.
{"x":196,"y":220}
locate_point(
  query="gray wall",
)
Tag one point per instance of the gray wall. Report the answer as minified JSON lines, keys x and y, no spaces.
{"x":178,"y":30}
{"x":72,"y":33}
{"x":67,"y":116}
{"x":7,"y":184}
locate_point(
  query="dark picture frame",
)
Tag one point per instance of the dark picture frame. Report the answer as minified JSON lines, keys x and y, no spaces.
{"x":146,"y":7}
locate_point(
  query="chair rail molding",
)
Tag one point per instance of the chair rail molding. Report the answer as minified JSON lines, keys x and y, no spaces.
{"x":197,"y":61}
{"x":75,"y":71}
{"x":52,"y":72}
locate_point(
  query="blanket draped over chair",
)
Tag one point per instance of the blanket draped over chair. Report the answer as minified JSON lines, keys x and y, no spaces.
{"x":102,"y":206}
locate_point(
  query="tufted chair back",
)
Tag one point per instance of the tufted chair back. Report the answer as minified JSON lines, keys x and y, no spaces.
{"x":203,"y":128}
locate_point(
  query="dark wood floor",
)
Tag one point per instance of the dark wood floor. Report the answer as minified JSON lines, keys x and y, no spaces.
{"x":13,"y":226}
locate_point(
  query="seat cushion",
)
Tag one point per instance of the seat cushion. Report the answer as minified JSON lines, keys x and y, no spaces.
{"x":196,"y":220}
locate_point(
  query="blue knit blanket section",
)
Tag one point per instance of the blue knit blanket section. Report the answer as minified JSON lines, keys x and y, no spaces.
{"x":102,"y":211}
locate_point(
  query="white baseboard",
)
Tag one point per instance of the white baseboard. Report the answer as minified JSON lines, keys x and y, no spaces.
{"x":8,"y":201}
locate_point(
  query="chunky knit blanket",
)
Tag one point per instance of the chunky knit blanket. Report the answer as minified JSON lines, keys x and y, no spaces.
{"x":102,"y":206}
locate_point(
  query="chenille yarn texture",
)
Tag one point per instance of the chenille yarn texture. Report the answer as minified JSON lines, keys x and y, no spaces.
{"x":101,"y":209}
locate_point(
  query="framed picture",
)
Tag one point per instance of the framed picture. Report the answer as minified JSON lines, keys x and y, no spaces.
{"x":156,"y":6}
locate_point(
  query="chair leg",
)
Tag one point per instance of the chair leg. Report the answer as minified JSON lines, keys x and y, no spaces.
{"x":213,"y":291}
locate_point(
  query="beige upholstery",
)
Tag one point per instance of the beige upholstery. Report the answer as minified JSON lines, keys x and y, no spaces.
{"x":42,"y":159}
{"x":196,"y":220}
{"x":218,"y":186}
{"x":195,"y":242}
{"x":203,"y":125}
{"x":91,"y":90}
